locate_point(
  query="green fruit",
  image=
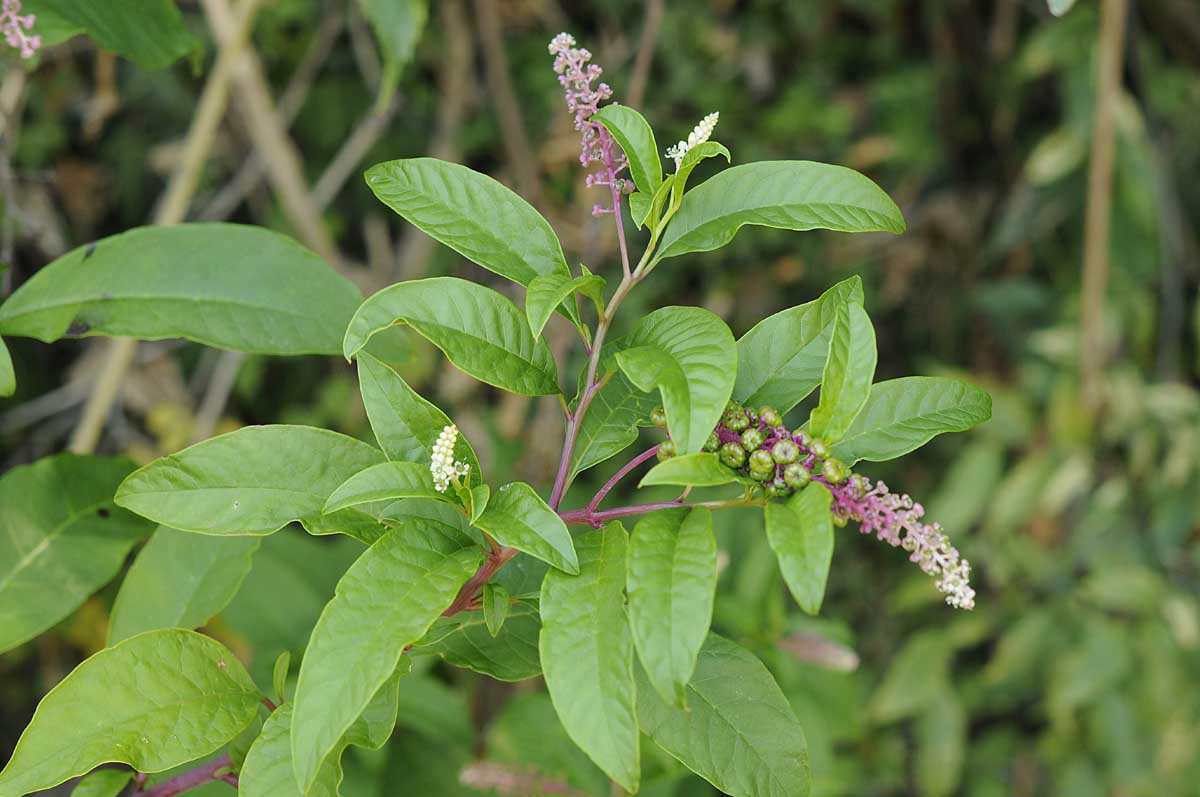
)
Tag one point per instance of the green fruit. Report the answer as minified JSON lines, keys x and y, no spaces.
{"x":658,"y":416}
{"x":835,"y":471}
{"x":839,"y":521}
{"x":762,"y":460}
{"x":818,"y":448}
{"x":752,"y":439}
{"x":778,"y":489}
{"x":796,"y":475}
{"x":770,"y":417}
{"x":666,"y":450}
{"x":733,"y":455}
{"x":712,"y":443}
{"x":785,"y":451}
{"x":737,"y":420}
{"x":760,"y":475}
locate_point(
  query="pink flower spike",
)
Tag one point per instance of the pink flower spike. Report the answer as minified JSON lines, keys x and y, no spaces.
{"x":14,"y":26}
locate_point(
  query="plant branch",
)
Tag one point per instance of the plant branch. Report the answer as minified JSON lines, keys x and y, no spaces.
{"x":620,"y":474}
{"x":596,"y":518}
{"x":171,"y":210}
{"x":193,"y":778}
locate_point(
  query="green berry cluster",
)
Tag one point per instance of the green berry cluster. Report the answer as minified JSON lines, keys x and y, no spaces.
{"x":755,"y":443}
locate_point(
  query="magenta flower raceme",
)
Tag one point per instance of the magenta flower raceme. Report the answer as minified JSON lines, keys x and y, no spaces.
{"x":14,"y":27}
{"x":576,"y":75}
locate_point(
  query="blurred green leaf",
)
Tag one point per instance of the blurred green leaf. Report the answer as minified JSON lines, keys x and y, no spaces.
{"x":150,"y":32}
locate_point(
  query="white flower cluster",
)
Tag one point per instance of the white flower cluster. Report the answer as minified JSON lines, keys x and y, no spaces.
{"x":698,"y":136}
{"x":443,"y":467}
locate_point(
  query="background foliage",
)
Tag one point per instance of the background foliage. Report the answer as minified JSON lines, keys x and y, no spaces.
{"x":1076,"y":673}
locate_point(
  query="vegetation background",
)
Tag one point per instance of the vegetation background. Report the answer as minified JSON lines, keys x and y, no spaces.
{"x":1078,"y":504}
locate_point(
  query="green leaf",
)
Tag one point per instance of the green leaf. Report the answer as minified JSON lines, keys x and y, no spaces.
{"x":800,"y":531}
{"x":781,"y":359}
{"x":103,"y":783}
{"x":739,"y":732}
{"x":633,"y":133}
{"x":465,"y":641}
{"x":479,"y":330}
{"x":902,"y":415}
{"x":1060,"y":7}
{"x":846,"y":382}
{"x":8,"y":377}
{"x":517,"y":517}
{"x":398,"y":25}
{"x":587,"y":654}
{"x":941,"y":735}
{"x":474,"y":215}
{"x":646,"y":209}
{"x":495,"y":607}
{"x":387,"y":481}
{"x":155,"y":701}
{"x":357,"y":523}
{"x":279,"y":675}
{"x":917,"y":673}
{"x":150,"y":32}
{"x":550,"y":290}
{"x":180,"y":580}
{"x":693,"y":158}
{"x":61,"y":539}
{"x":689,"y":355}
{"x":224,"y":285}
{"x":404,"y":423}
{"x":611,"y":423}
{"x":386,"y":601}
{"x":691,"y":470}
{"x":792,"y":195}
{"x":252,"y":481}
{"x":268,"y":770}
{"x":672,"y":581}
{"x":479,"y":496}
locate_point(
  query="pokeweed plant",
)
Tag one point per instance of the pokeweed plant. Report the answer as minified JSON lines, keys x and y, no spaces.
{"x":483,"y":573}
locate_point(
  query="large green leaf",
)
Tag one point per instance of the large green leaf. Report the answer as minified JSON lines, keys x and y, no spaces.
{"x":103,"y":783}
{"x":404,"y":423}
{"x":472,"y":214}
{"x":8,"y":377}
{"x":387,"y":600}
{"x":387,"y":481}
{"x":792,"y":195}
{"x":611,"y":423}
{"x":689,"y":355}
{"x":150,"y":32}
{"x":225,"y":285}
{"x":691,"y":470}
{"x":550,"y":290}
{"x":481,"y":332}
{"x":180,"y":580}
{"x":252,"y":481}
{"x":517,"y":517}
{"x":155,"y":701}
{"x":587,"y":654}
{"x":846,"y":381}
{"x":904,"y":414}
{"x":268,"y":770}
{"x":739,"y":732}
{"x":61,"y":539}
{"x":781,"y":359}
{"x":464,"y":641}
{"x":800,"y":531}
{"x":633,"y":133}
{"x":672,"y":581}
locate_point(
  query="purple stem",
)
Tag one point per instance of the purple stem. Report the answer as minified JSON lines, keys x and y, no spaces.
{"x":596,"y":518}
{"x":206,"y":773}
{"x":621,"y":474}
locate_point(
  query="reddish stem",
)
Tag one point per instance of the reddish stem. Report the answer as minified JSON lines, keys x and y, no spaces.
{"x":206,"y":773}
{"x":621,"y":474}
{"x":597,"y":518}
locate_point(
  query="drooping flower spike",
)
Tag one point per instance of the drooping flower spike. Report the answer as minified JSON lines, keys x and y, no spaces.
{"x":698,"y":136}
{"x":14,"y":26}
{"x":576,"y":75}
{"x":443,"y":467}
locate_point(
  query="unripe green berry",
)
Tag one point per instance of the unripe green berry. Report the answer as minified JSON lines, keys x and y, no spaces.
{"x":712,"y":443}
{"x":658,"y":416}
{"x":835,"y":471}
{"x":778,"y":489}
{"x":666,"y":450}
{"x":736,"y":419}
{"x":818,"y":448}
{"x":839,"y":521}
{"x":752,"y":439}
{"x":760,"y":475}
{"x":785,"y":451}
{"x":761,"y":460}
{"x":733,"y":455}
{"x":796,"y":475}
{"x":769,"y":416}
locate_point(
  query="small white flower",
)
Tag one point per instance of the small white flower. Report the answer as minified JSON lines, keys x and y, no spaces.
{"x":561,"y":43}
{"x":442,"y":464}
{"x":697,"y":137}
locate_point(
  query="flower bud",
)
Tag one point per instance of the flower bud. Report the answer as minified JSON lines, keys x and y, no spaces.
{"x":835,"y":471}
